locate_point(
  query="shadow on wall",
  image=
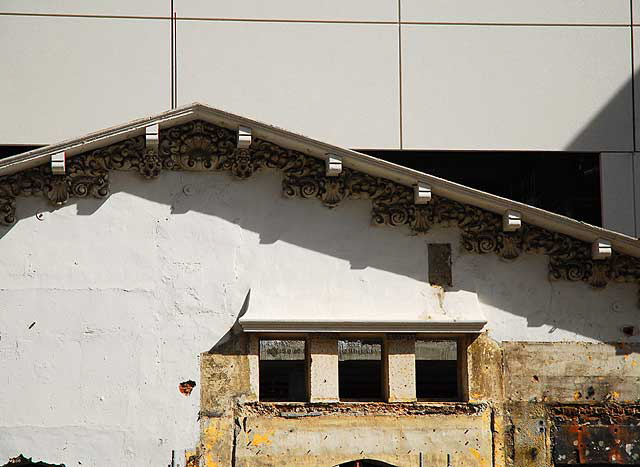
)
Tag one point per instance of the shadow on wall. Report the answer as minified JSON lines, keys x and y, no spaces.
{"x":614,"y":118}
{"x":346,"y":233}
{"x":518,"y":287}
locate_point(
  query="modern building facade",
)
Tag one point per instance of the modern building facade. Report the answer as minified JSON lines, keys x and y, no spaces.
{"x":390,"y":75}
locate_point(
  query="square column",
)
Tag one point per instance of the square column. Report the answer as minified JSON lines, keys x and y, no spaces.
{"x":253,"y":356}
{"x":400,"y":368}
{"x":322,"y":354}
{"x":618,"y":178}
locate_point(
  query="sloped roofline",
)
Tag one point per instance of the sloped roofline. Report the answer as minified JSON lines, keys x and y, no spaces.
{"x":353,"y":159}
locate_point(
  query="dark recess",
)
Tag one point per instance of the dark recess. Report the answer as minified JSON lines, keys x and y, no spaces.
{"x":437,"y":370}
{"x":360,"y":370}
{"x":440,"y":264}
{"x":12,"y":150}
{"x":283,"y":371}
{"x":366,"y":463}
{"x":436,"y":379}
{"x":564,"y":183}
{"x":283,"y":381}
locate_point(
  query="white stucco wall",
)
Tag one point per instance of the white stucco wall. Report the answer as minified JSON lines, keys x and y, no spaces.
{"x":125,"y":294}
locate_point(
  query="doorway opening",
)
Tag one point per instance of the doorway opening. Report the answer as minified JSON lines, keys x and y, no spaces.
{"x":365,"y":463}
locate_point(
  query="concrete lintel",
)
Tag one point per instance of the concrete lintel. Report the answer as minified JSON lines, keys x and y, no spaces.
{"x":363,"y":326}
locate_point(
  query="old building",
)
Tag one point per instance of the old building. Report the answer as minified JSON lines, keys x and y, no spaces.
{"x":201,"y":283}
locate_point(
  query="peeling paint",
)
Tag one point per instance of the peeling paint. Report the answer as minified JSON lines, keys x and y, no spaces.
{"x":260,"y":439}
{"x":482,"y":462}
{"x":186,"y":387}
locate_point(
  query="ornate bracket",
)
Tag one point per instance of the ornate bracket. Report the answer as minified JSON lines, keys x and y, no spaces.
{"x":201,"y":146}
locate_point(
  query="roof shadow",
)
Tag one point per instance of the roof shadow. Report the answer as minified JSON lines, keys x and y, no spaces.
{"x":255,"y":213}
{"x":614,"y":122}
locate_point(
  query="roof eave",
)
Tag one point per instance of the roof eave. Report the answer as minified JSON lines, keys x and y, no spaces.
{"x":368,"y":164}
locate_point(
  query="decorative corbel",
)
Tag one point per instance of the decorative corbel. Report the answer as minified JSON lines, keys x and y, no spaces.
{"x":58,"y":163}
{"x":511,"y":221}
{"x":421,"y":193}
{"x":151,"y":165}
{"x":333,"y":165}
{"x":152,"y":137}
{"x":244,"y":137}
{"x":202,"y":146}
{"x":601,"y":249}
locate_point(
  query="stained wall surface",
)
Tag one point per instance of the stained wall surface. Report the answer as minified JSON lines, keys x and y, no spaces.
{"x":106,"y":305}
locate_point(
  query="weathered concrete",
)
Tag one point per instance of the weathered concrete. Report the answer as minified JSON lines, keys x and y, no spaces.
{"x":225,"y":381}
{"x":323,"y":368}
{"x":570,"y":372}
{"x":400,"y":365}
{"x":483,"y":369}
{"x":531,"y":443}
{"x":331,"y":440}
{"x":127,"y":292}
{"x":217,"y":441}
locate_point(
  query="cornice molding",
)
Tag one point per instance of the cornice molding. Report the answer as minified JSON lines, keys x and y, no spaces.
{"x":363,"y":326}
{"x":352,"y":159}
{"x":201,"y":146}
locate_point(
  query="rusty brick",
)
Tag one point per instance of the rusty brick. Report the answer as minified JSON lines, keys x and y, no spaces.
{"x":596,"y":444}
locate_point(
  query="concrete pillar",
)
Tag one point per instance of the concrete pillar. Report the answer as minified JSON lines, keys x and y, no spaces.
{"x":400,"y":368}
{"x":617,"y":179}
{"x":253,"y":356}
{"x":322,"y":354}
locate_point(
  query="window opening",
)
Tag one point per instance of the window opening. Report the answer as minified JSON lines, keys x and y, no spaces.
{"x":437,"y":369}
{"x":360,"y":369}
{"x":283,"y":370}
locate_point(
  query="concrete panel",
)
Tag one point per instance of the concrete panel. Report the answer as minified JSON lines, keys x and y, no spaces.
{"x":636,"y":191}
{"x":63,"y":77}
{"x":617,"y":192}
{"x":636,"y":71}
{"x":516,"y":87}
{"x":88,"y":7}
{"x":331,"y":440}
{"x":572,"y":372}
{"x":328,"y":10}
{"x":518,"y":11}
{"x":334,"y":82}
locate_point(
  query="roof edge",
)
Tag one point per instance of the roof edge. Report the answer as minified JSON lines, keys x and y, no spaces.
{"x":353,"y":159}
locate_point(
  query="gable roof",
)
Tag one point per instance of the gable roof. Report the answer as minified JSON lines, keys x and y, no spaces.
{"x":351,"y":159}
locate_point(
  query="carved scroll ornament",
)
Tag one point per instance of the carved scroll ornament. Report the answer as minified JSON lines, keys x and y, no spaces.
{"x":201,"y":146}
